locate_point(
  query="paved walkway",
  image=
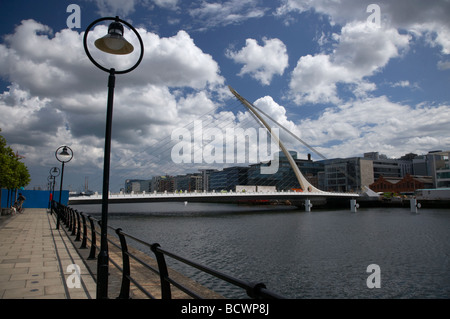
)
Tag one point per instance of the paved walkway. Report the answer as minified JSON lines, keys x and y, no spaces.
{"x":36,"y":259}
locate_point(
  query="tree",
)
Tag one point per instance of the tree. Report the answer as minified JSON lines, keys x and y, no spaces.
{"x":13,"y":173}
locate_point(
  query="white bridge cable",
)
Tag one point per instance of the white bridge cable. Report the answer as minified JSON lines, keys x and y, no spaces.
{"x":155,"y":159}
{"x":158,"y":154}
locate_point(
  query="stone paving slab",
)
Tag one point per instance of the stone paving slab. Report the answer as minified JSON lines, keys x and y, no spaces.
{"x":36,"y":259}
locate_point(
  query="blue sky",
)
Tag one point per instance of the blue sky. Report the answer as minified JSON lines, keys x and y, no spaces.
{"x":343,"y":83}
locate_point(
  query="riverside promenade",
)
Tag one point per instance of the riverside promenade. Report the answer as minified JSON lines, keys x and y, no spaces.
{"x":35,"y":260}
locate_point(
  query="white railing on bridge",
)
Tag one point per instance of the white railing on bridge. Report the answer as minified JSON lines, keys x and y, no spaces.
{"x":217,"y":194}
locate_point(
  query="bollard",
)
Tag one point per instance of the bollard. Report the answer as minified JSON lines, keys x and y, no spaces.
{"x":308,"y":205}
{"x":354,"y":206}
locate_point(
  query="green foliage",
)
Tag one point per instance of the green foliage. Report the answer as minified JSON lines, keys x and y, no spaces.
{"x":13,"y":173}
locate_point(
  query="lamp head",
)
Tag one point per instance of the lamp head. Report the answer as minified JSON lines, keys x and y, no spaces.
{"x":114,"y":42}
{"x":64,"y":152}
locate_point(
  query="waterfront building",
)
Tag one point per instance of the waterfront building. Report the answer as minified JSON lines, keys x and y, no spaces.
{"x":284,"y":177}
{"x":407,"y":184}
{"x":162,"y":184}
{"x":137,"y":186}
{"x":346,"y":174}
{"x":188,"y":183}
{"x":228,"y":178}
{"x":435,"y":164}
{"x":206,"y":173}
{"x":386,"y":168}
{"x":441,"y":175}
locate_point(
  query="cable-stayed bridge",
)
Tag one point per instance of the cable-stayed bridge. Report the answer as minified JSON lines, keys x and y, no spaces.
{"x":307,"y":193}
{"x":215,"y":197}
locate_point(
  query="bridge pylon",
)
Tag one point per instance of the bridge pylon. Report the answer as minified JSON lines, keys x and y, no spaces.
{"x":304,"y":183}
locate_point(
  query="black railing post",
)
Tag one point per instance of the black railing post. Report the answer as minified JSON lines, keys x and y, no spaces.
{"x":125,"y":287}
{"x":254,"y":290}
{"x":78,"y":238}
{"x":93,"y":239}
{"x":66,"y":219}
{"x":84,"y":241}
{"x":74,"y":221}
{"x":163,"y":273}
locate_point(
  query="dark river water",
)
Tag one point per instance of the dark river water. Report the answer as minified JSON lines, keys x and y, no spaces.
{"x":317,"y":254}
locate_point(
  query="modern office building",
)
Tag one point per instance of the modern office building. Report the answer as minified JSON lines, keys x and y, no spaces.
{"x":434,"y":164}
{"x":283,"y":177}
{"x":162,"y":184}
{"x":188,"y":183}
{"x":346,"y":174}
{"x":228,"y":178}
{"x":441,"y":176}
{"x":137,"y":185}
{"x":205,"y":174}
{"x":338,"y":175}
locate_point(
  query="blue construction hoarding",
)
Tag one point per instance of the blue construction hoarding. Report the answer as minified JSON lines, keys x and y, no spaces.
{"x":34,"y":198}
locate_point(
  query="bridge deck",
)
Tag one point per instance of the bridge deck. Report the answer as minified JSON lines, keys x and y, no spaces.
{"x":208,"y":197}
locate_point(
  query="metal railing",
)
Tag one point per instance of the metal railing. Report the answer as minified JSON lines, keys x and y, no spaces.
{"x":77,"y":225}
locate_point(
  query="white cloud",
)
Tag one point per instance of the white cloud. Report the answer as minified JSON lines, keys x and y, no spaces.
{"x":361,"y":51}
{"x":168,"y":4}
{"x":378,"y":124}
{"x":444,"y":65}
{"x":416,"y":16}
{"x":402,"y":84}
{"x":261,"y":62}
{"x":177,"y":62}
{"x":58,"y":97}
{"x":223,"y":13}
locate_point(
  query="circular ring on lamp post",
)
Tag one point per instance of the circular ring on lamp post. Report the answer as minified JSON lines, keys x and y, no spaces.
{"x":116,"y":19}
{"x":54,"y":171}
{"x":64,"y":156}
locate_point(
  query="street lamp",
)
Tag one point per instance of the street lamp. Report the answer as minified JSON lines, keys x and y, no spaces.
{"x":63,"y":154}
{"x":112,"y":43}
{"x":54,"y":172}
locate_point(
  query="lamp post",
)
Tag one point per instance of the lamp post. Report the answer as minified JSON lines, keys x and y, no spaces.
{"x":63,"y":154}
{"x":112,"y":43}
{"x":54,"y":172}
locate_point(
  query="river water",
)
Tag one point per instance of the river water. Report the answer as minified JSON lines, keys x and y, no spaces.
{"x":298,"y":254}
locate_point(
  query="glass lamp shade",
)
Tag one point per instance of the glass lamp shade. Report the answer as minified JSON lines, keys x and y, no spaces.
{"x":64,"y":152}
{"x":114,"y":42}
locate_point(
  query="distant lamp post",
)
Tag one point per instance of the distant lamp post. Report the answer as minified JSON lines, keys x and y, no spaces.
{"x":54,"y":172}
{"x":112,"y":43}
{"x":63,"y":154}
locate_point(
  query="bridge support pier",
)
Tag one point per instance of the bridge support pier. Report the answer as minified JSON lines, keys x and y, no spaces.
{"x":414,"y":205}
{"x":308,"y":205}
{"x":354,"y":206}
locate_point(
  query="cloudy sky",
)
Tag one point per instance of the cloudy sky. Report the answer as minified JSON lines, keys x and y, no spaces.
{"x":344,"y":78}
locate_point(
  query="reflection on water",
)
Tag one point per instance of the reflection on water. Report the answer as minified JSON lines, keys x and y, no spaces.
{"x":321,"y":254}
